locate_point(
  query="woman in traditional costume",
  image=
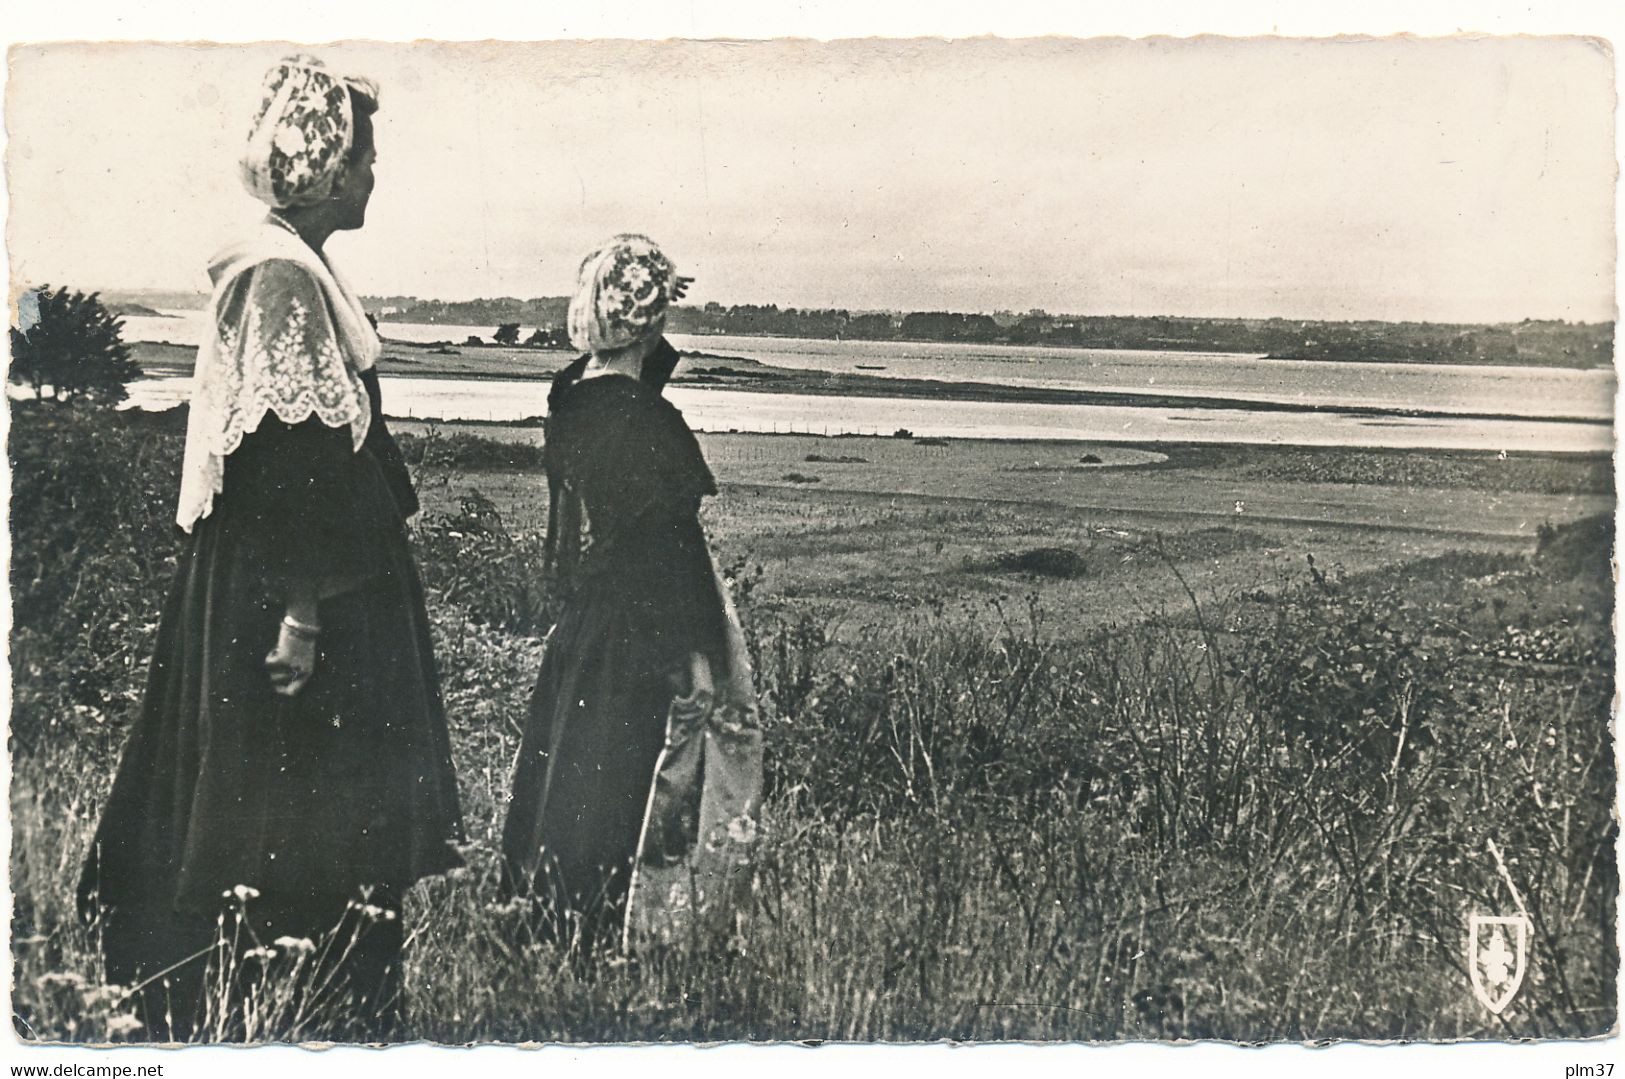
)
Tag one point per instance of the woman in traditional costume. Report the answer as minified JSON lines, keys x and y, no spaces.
{"x":639,"y":775}
{"x":291,"y":766}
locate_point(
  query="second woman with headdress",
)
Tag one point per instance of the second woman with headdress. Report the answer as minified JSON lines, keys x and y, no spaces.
{"x":639,"y":776}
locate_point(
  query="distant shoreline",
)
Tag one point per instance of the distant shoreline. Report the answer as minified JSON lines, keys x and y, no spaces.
{"x":1375,"y":350}
{"x":708,"y":370}
{"x":1175,"y":451}
{"x":1184,"y":347}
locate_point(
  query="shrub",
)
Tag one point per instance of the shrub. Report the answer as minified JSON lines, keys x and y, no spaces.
{"x":93,"y":550}
{"x":69,"y":348}
{"x":469,"y":452}
{"x":1044,"y":561}
{"x":472,"y":560}
{"x":1581,"y":548}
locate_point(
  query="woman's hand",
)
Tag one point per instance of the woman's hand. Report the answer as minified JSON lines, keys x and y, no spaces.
{"x":701,"y":691}
{"x":679,"y":288}
{"x":293,"y":660}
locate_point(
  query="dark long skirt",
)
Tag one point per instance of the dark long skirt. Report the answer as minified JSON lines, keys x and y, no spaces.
{"x":310,"y":800}
{"x":596,"y":726}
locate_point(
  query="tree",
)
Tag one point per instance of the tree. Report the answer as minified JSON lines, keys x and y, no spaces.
{"x":68,"y":347}
{"x":548,"y":337}
{"x":507,"y":334}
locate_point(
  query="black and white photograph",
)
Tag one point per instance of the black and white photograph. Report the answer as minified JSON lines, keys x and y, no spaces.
{"x":982,"y":539}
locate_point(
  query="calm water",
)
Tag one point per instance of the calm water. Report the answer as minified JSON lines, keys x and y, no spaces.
{"x":724,"y":410}
{"x":1511,"y":391}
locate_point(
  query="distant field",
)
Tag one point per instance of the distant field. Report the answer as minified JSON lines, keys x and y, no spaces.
{"x":901,"y":523}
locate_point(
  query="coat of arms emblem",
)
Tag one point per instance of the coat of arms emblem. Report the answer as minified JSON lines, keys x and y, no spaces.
{"x":1496,"y":952}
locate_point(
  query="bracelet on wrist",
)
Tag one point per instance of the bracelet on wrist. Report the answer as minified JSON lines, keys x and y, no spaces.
{"x":303,"y":630}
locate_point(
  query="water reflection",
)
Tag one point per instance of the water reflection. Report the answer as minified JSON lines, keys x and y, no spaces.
{"x":742,"y":410}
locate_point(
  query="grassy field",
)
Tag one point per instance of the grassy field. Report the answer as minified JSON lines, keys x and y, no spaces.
{"x":867,"y":528}
{"x":1189,"y":742}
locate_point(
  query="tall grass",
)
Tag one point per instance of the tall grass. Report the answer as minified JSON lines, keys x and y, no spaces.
{"x":1254,"y":816}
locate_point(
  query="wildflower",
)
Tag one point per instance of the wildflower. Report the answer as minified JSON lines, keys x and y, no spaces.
{"x":242,"y":893}
{"x":511,"y":906}
{"x":54,"y":978}
{"x":295,"y":945}
{"x":266,"y":954}
{"x":742,"y":829}
{"x":123,"y":1024}
{"x":99,"y":994}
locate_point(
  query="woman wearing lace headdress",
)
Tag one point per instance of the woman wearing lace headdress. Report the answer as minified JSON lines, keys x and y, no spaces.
{"x":639,"y":777}
{"x":290,"y":767}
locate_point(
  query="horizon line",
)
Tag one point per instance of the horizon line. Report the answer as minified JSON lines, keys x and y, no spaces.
{"x":690,"y":305}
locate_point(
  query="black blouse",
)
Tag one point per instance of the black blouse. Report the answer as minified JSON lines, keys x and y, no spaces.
{"x":625,"y":477}
{"x":308,"y":505}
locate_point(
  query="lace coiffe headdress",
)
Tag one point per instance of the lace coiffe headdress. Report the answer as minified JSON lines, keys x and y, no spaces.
{"x":622,"y":291}
{"x":286,"y":335}
{"x":302,"y":132}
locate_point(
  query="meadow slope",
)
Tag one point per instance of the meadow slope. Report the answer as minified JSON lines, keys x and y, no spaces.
{"x":1207,"y":746}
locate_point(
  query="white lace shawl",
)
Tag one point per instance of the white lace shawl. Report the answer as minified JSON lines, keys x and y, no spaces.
{"x":280,"y":341}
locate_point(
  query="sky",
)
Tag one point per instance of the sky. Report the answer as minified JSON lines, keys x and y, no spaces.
{"x":1438,"y":179}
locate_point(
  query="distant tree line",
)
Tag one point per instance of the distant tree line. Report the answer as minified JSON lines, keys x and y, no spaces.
{"x":1549,"y":343}
{"x":543,"y":311}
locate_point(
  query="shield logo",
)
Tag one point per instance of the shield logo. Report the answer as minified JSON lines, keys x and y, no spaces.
{"x":1496,"y":950}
